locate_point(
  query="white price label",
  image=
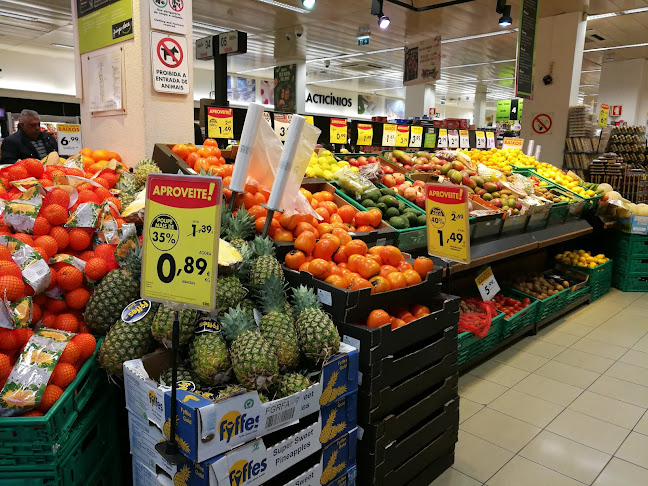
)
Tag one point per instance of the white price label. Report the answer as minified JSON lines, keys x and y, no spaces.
{"x":281,"y":124}
{"x":487,"y":285}
{"x":68,"y":138}
{"x":480,"y":138}
{"x":464,"y":140}
{"x":389,"y":135}
{"x":442,"y":140}
{"x":490,"y":140}
{"x":416,"y":137}
{"x":453,"y":139}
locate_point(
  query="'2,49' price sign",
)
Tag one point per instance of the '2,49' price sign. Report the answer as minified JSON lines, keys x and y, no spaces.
{"x":181,"y":233}
{"x":448,"y":233}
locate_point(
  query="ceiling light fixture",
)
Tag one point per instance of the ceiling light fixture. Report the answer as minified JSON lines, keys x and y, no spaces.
{"x":501,"y":8}
{"x":377,"y":10}
{"x":286,"y":6}
{"x":19,"y":17}
{"x":308,"y":4}
{"x":615,"y":14}
{"x":591,"y":71}
{"x":202,"y":25}
{"x":63,"y":46}
{"x":340,"y":79}
{"x":255,"y":69}
{"x":479,"y":36}
{"x":356,"y":54}
{"x":588,"y":85}
{"x":478,"y":64}
{"x":643,"y":44}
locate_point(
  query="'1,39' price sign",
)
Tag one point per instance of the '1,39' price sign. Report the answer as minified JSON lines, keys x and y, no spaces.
{"x":181,"y":231}
{"x":220,"y":122}
{"x":448,"y":234}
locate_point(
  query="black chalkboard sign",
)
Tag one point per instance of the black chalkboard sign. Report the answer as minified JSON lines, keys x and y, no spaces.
{"x":526,"y":49}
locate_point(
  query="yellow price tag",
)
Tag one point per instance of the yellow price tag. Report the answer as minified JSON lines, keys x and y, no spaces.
{"x":416,"y":139}
{"x":442,"y":140}
{"x":220,"y":122}
{"x":603,"y":115}
{"x":309,"y":119}
{"x":365,"y":134}
{"x":487,"y":285}
{"x":480,"y":139}
{"x":180,"y":239}
{"x":490,"y":140}
{"x":448,"y":233}
{"x":510,"y":142}
{"x":389,"y":135}
{"x":402,"y":135}
{"x":338,"y":130}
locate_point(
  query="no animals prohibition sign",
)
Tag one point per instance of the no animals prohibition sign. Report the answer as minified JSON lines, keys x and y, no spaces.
{"x":169,"y":52}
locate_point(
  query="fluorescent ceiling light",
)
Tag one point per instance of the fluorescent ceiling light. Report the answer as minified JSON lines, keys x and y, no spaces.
{"x":477,"y":64}
{"x":285,"y":5}
{"x":255,"y":69}
{"x":587,"y":85}
{"x":308,"y":4}
{"x":341,"y":79}
{"x":494,"y":79}
{"x":478,"y":36}
{"x":356,"y":54}
{"x":63,"y":46}
{"x":202,"y":25}
{"x":591,"y":71}
{"x":643,"y":44}
{"x":615,"y":14}
{"x":19,"y":17}
{"x":384,"y":89}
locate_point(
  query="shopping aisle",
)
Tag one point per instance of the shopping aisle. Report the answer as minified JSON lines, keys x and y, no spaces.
{"x":564,"y":408}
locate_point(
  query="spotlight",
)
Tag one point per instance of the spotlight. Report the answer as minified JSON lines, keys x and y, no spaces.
{"x":506,"y":20}
{"x":383,"y":22}
{"x":377,"y":10}
{"x":308,"y":4}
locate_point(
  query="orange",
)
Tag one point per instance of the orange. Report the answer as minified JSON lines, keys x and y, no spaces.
{"x":378,"y":318}
{"x":80,"y":238}
{"x":96,"y":268}
{"x":5,"y":253}
{"x":36,"y":313}
{"x":99,"y":155}
{"x":55,"y":214}
{"x":10,"y":268}
{"x":87,"y":152}
{"x":63,"y":375}
{"x":57,"y":196}
{"x":67,"y":322}
{"x":48,"y":243}
{"x":25,"y":238}
{"x":13,"y":286}
{"x":86,"y":343}
{"x":69,"y":278}
{"x":41,"y":226}
{"x":77,"y":298}
{"x":51,"y":394}
{"x":61,"y":236}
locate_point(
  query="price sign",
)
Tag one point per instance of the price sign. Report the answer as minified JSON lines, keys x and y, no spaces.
{"x":480,"y":139}
{"x":603,"y":115}
{"x":416,"y":137}
{"x":281,"y":124}
{"x":68,"y":138}
{"x":509,"y":142}
{"x":490,"y":140}
{"x":220,"y":122}
{"x":453,"y":139}
{"x":309,"y":119}
{"x":464,"y":140}
{"x":442,"y":141}
{"x":402,"y":135}
{"x":338,"y":130}
{"x":365,"y":134}
{"x":181,"y":229}
{"x":389,"y":135}
{"x":448,"y":234}
{"x":430,"y":138}
{"x":487,"y":284}
{"x":266,"y":117}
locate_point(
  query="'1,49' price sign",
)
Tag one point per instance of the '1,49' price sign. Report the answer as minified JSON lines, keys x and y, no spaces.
{"x":181,"y":232}
{"x":448,"y":234}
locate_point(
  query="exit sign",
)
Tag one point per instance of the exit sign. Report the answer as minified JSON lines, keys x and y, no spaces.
{"x":363,"y":41}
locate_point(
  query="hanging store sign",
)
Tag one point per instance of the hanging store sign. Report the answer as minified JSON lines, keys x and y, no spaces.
{"x":514,"y":143}
{"x":104,"y":23}
{"x":526,"y":49}
{"x":464,"y":139}
{"x":285,"y":88}
{"x":168,"y":16}
{"x":509,"y":110}
{"x":422,"y":62}
{"x":170,"y":64}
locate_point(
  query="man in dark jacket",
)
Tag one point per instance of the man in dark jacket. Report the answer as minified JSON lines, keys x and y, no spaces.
{"x":29,"y":141}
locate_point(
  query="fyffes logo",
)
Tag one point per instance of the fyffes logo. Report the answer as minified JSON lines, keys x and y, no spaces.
{"x":153,"y":400}
{"x":243,"y":471}
{"x":233,"y":423}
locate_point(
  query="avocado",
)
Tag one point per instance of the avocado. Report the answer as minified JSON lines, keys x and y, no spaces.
{"x":401,"y":206}
{"x":368,"y":203}
{"x":386,"y":191}
{"x":382,"y":207}
{"x":411,"y":217}
{"x":374,"y":195}
{"x":421,"y":220}
{"x":391,"y":212}
{"x":399,"y":222}
{"x":410,"y":210}
{"x":390,"y":201}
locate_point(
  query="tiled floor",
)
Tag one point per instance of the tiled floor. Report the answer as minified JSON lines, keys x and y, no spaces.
{"x":564,"y":408}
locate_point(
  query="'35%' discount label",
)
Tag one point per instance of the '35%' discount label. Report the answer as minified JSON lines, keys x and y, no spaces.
{"x":180,"y":235}
{"x":448,"y":234}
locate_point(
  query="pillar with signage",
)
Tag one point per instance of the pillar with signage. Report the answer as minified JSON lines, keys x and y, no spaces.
{"x":137,"y":91}
{"x":419,"y":99}
{"x":624,"y":87}
{"x":559,"y":44}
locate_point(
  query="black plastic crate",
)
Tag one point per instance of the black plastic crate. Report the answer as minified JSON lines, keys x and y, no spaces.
{"x":375,"y":343}
{"x":434,"y":470}
{"x":375,"y":403}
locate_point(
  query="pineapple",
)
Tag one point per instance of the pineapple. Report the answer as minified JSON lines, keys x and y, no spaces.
{"x":290,"y":384}
{"x":126,"y":341}
{"x":115,"y":291}
{"x":162,"y":327}
{"x":184,"y":374}
{"x":143,"y":169}
{"x":128,"y":187}
{"x":243,"y":271}
{"x":276,"y":326}
{"x":229,"y":392}
{"x":248,"y":307}
{"x":255,"y":362}
{"x":229,"y":292}
{"x":265,"y":264}
{"x":318,"y":336}
{"x":229,"y":258}
{"x":239,"y":228}
{"x":210,"y":359}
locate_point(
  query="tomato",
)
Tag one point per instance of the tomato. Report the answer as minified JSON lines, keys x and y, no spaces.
{"x":326,"y":247}
{"x":282,"y":235}
{"x":305,"y":242}
{"x":295,"y":259}
{"x":397,"y":280}
{"x":347,"y":213}
{"x":423,"y":266}
{"x":319,"y":268}
{"x":354,"y":247}
{"x":378,"y":318}
{"x":367,"y":268}
{"x":396,"y":323}
{"x":380,"y":284}
{"x":343,"y":234}
{"x":375,"y":216}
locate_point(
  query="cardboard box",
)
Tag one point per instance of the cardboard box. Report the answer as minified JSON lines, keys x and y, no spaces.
{"x":211,"y":428}
{"x":309,"y":473}
{"x":169,"y":162}
{"x":142,"y":475}
{"x":636,"y":225}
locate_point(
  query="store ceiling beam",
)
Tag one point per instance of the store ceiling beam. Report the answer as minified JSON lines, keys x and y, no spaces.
{"x":428,"y":7}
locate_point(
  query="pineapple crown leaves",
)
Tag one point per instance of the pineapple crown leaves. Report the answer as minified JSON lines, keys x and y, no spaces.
{"x":235,"y":322}
{"x":241,"y":225}
{"x":146,"y":162}
{"x":262,"y":246}
{"x":271,"y":295}
{"x":305,"y":298}
{"x":243,"y":271}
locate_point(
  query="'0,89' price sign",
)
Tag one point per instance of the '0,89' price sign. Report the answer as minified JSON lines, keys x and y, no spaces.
{"x":448,"y":234}
{"x":181,"y":231}
{"x":338,"y":130}
{"x":220,"y":122}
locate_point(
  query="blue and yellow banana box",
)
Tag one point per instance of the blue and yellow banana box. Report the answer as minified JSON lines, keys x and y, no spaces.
{"x":317,"y":476}
{"x":209,"y":429}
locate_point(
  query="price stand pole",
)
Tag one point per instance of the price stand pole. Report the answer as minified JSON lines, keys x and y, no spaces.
{"x":244,"y":155}
{"x":179,"y":262}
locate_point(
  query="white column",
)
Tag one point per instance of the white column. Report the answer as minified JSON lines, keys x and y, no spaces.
{"x":559,"y":43}
{"x":419,"y":99}
{"x":625,"y":84}
{"x":150,"y":117}
{"x":480,"y":107}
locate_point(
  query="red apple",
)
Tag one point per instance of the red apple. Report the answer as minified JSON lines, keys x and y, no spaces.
{"x":363,"y":160}
{"x":399,"y":178}
{"x":354,"y":163}
{"x":372,"y":159}
{"x":389,"y":180}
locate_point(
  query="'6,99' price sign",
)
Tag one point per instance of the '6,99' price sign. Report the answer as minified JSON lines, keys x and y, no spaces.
{"x":181,"y":231}
{"x":448,"y":234}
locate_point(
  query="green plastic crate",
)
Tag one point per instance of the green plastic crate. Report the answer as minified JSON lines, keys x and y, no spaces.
{"x":550,"y":305}
{"x":38,"y":437}
{"x":523,"y":318}
{"x":470,"y":346}
{"x":591,"y":203}
{"x":627,"y":245}
{"x":600,"y":278}
{"x":634,"y":266}
{"x":628,"y":283}
{"x":577,"y":294}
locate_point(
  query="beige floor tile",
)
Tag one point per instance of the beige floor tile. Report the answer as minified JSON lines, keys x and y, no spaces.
{"x":520,"y":471}
{"x":590,"y":431}
{"x":547,"y":389}
{"x":616,"y":338}
{"x":593,"y":316}
{"x":635,"y":450}
{"x":468,"y":408}
{"x":499,"y":373}
{"x":452,"y":477}
{"x":642,"y":425}
{"x":621,"y":390}
{"x":636,"y":358}
{"x":569,"y":374}
{"x":608,"y":409}
{"x":558,"y":337}
{"x":629,"y":372}
{"x":478,"y":458}
{"x":575,"y":328}
{"x":622,"y":473}
{"x":500,"y":429}
{"x":599,"y":348}
{"x":526,"y":408}
{"x":566,"y":456}
{"x":478,"y":390}
{"x":539,"y":348}
{"x":583,"y":360}
{"x":642,"y":345}
{"x":520,"y":359}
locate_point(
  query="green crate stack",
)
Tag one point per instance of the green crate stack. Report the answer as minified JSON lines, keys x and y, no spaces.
{"x":631,"y":262}
{"x":470,"y":346}
{"x":550,"y":305}
{"x":521,"y":319}
{"x":577,"y":294}
{"x":600,"y":279}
